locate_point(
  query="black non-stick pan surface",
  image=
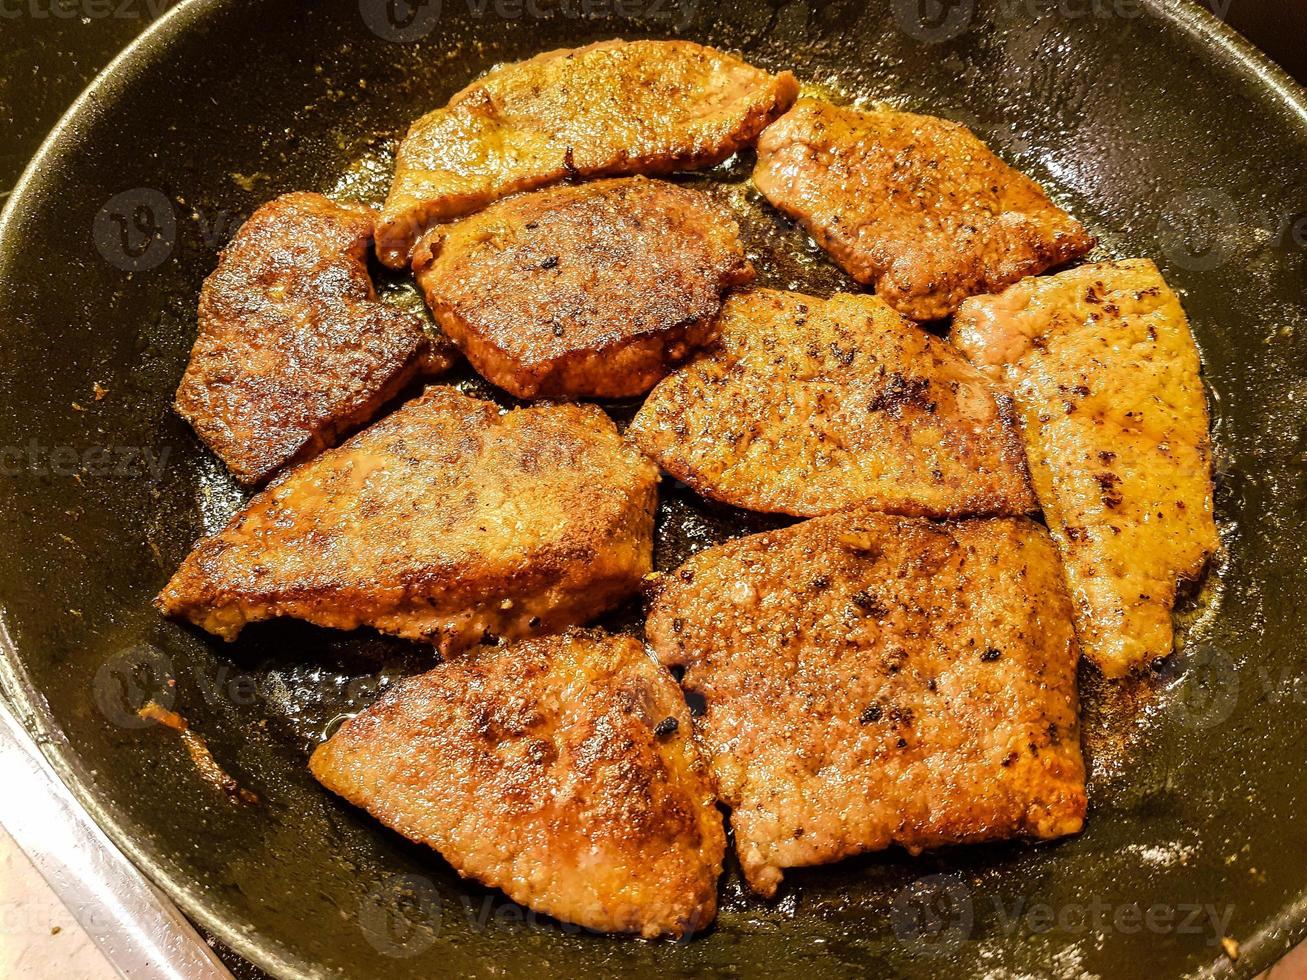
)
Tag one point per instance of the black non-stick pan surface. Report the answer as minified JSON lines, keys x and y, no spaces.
{"x":1156,"y":126}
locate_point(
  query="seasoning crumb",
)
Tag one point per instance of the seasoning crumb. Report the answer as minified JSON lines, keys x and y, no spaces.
{"x":203,"y":759}
{"x":1231,"y":947}
{"x":99,"y":391}
{"x":55,"y":930}
{"x":667,"y":726}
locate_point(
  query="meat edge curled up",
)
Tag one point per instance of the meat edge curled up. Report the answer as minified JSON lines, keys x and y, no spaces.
{"x":1107,"y":380}
{"x":436,"y":168}
{"x":337,"y":543}
{"x":915,"y":205}
{"x":583,"y":291}
{"x":294,"y":348}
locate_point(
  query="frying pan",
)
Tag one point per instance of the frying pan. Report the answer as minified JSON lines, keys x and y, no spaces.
{"x":1153,"y":123}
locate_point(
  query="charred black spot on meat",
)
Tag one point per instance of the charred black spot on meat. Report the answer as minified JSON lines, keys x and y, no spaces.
{"x":667,"y":726}
{"x":902,"y":392}
{"x":1109,"y":484}
{"x":870,"y":603}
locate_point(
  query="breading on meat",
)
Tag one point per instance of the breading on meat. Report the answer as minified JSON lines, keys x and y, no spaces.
{"x":873,"y":680}
{"x":583,"y":291}
{"x":294,"y":349}
{"x":561,"y":770}
{"x":809,"y":405}
{"x":915,"y":205}
{"x":1105,"y":375}
{"x":447,"y":521}
{"x":612,"y":108}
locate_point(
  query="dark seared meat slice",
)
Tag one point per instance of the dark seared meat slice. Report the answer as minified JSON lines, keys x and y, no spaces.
{"x":617,"y":107}
{"x":561,"y":770}
{"x":1106,"y":380}
{"x":873,"y":680}
{"x":809,"y":405}
{"x":294,"y":350}
{"x":586,"y":291}
{"x":446,"y":521}
{"x":915,"y":205}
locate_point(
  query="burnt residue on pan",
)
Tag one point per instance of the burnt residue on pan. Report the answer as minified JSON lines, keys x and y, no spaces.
{"x":1145,"y":130}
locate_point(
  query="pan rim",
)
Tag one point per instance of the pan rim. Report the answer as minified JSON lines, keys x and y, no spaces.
{"x":1191,"y":17}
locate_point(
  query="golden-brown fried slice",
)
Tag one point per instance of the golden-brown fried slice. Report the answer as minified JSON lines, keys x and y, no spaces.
{"x":809,"y":405}
{"x":873,"y":680}
{"x":617,"y":107}
{"x":446,"y":521}
{"x":294,"y":349}
{"x":1106,"y":378}
{"x":585,"y":291}
{"x":561,"y":770}
{"x":914,"y":204}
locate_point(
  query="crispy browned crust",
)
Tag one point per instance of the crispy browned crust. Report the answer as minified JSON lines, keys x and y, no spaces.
{"x":446,"y":522}
{"x":561,"y":770}
{"x":1105,"y":375}
{"x":294,"y":349}
{"x":915,"y":205}
{"x":616,"y":107}
{"x":809,"y":405}
{"x":873,"y":680}
{"x":585,"y":291}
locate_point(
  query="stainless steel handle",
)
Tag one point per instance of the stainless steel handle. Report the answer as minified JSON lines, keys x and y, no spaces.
{"x":136,"y":926}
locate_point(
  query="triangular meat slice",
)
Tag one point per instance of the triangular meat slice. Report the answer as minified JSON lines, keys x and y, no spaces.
{"x":809,"y":405}
{"x":447,"y":521}
{"x":613,"y":108}
{"x":873,"y":680}
{"x":562,"y":770}
{"x":1106,"y":379}
{"x":294,"y":349}
{"x":915,"y":205}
